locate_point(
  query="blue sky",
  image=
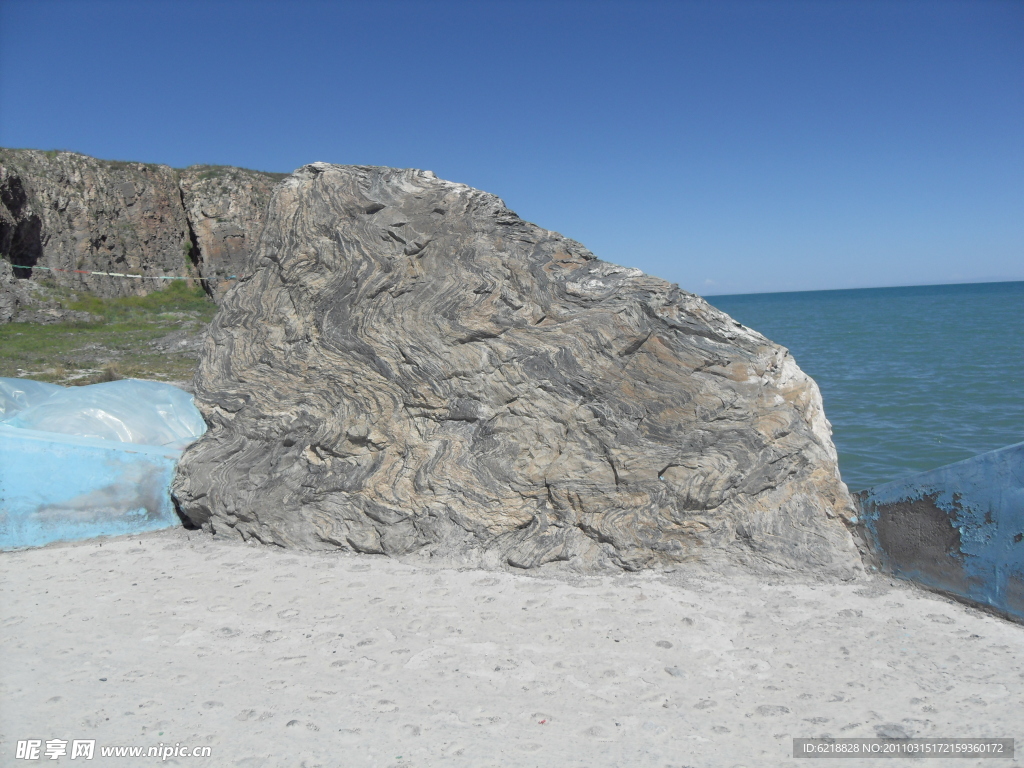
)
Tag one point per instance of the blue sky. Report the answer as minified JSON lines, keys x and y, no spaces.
{"x":732,"y":147}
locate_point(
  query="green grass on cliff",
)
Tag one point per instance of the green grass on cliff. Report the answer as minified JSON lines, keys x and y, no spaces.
{"x":117,"y":346}
{"x":207,"y":172}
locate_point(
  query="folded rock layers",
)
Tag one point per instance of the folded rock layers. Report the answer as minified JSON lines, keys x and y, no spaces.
{"x":412,"y":367}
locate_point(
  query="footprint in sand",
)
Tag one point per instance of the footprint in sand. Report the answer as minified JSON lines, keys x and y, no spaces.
{"x":771,"y":710}
{"x":535,"y":587}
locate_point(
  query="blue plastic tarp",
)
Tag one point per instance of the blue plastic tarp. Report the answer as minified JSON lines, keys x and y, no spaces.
{"x":127,"y":411}
{"x":81,"y":462}
{"x":18,"y":394}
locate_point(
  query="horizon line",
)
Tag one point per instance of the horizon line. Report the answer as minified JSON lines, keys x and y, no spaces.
{"x":863,"y":288}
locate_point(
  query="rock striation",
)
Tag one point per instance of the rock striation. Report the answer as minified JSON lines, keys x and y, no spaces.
{"x":411,"y":367}
{"x":67,"y":211}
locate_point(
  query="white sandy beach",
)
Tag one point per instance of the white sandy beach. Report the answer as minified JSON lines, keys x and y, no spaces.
{"x":281,"y":658}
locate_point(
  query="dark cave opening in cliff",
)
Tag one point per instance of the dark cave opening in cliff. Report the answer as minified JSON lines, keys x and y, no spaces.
{"x":21,"y":238}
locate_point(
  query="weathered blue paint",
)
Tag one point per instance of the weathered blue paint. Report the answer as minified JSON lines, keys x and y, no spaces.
{"x":57,"y":487}
{"x":958,"y":528}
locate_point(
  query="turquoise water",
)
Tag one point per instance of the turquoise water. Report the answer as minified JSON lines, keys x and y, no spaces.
{"x":912,"y":378}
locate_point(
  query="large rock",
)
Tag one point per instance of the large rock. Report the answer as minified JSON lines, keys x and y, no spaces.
{"x":225,"y":208}
{"x":413,"y":366}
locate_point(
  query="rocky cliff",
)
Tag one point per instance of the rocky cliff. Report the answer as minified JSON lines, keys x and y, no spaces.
{"x":24,"y":301}
{"x":13,"y":293}
{"x":412,"y":367}
{"x":224,"y":207}
{"x":67,"y":211}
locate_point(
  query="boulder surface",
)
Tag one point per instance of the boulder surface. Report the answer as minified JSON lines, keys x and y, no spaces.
{"x":412,"y":367}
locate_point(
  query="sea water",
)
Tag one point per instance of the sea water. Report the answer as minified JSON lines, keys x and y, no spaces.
{"x":912,"y":378}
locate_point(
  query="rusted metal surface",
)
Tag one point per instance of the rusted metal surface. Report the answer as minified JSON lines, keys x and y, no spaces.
{"x":958,"y":529}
